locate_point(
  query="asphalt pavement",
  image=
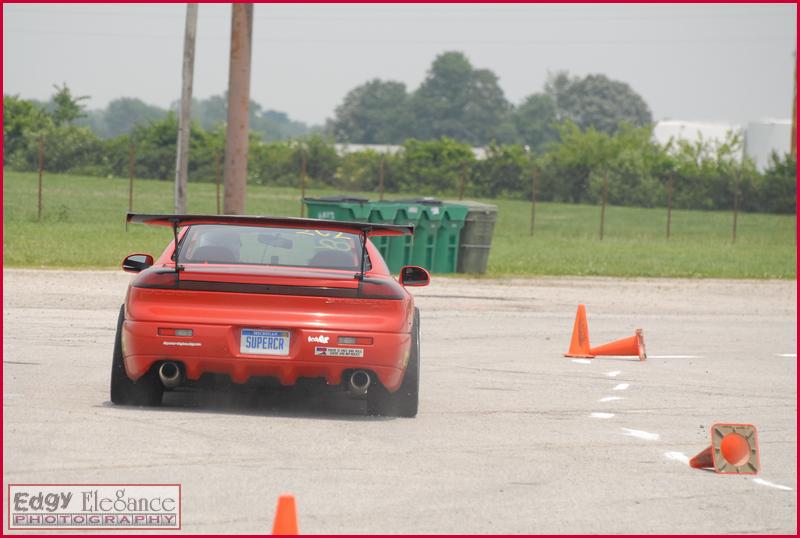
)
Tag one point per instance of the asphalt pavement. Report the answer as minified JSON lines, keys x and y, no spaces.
{"x":511,"y":436}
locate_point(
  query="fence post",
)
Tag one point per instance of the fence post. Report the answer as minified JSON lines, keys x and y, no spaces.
{"x":603,"y":207}
{"x":534,"y":174}
{"x":303,"y":186}
{"x":463,"y":180}
{"x":735,"y":205}
{"x":216,"y":177}
{"x":380,"y":179}
{"x":131,"y":172}
{"x":670,"y":187}
{"x":41,"y":171}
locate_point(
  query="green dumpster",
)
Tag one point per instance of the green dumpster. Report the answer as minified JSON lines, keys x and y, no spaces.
{"x":437,"y":228}
{"x":342,"y":207}
{"x":448,"y":238}
{"x":424,"y":247}
{"x":383,"y":213}
{"x":426,"y":213}
{"x":397,"y":251}
{"x":476,"y":237}
{"x":401,"y":247}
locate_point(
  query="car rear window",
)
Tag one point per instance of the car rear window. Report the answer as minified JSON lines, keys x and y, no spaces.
{"x":257,"y":245}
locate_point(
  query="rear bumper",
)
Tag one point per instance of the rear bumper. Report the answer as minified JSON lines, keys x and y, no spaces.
{"x":216,"y":349}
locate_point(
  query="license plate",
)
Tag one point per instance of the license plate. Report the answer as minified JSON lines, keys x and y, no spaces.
{"x":264,"y":342}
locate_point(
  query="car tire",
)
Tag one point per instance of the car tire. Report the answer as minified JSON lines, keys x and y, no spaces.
{"x":147,"y":390}
{"x":404,"y":402}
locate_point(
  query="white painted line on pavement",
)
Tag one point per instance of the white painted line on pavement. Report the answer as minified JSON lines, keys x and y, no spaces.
{"x":621,"y":386}
{"x":610,"y":398}
{"x":581,"y":361}
{"x":647,"y":436}
{"x":763,"y":482}
{"x":787,"y":355}
{"x":683,"y":458}
{"x":602,"y":415}
{"x":615,"y":373}
{"x":674,"y":356}
{"x":677,"y":456}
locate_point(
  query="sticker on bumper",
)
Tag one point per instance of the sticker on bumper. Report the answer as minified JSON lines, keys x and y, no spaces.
{"x":338,"y":352}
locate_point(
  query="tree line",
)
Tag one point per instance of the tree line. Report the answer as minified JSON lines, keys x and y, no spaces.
{"x":455,"y":100}
{"x":121,"y":115}
{"x":575,"y":166}
{"x":465,"y":103}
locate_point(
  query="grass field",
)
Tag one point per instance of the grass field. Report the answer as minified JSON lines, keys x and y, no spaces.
{"x":83,"y":226}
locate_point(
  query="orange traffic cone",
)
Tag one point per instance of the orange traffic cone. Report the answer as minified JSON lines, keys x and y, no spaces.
{"x":579,"y":346}
{"x":633,"y":345}
{"x":285,"y":516}
{"x":733,"y":450}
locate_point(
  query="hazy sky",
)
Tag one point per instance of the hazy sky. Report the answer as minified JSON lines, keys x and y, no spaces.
{"x":710,"y":62}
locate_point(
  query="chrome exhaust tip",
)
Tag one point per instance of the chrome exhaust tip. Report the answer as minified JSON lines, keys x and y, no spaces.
{"x":170,"y":374}
{"x":359,"y":382}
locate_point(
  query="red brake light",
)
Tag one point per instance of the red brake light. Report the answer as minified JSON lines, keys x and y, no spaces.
{"x":156,"y":279}
{"x":374,"y":288}
{"x":174,"y":332}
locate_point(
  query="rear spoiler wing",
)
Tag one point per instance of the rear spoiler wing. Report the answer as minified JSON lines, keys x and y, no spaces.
{"x":364,"y":229}
{"x":368,"y":228}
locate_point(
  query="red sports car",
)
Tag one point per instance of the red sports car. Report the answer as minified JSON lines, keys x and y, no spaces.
{"x":278,"y":299}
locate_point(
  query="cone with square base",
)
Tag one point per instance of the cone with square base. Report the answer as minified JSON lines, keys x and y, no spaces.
{"x":633,"y":345}
{"x":285,"y":516}
{"x":733,"y":450}
{"x":579,"y":346}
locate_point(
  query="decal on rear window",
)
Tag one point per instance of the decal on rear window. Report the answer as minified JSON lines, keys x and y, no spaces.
{"x":251,"y":245}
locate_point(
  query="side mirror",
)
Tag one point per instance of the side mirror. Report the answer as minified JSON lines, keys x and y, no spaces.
{"x":136,"y":263}
{"x":411,"y":275}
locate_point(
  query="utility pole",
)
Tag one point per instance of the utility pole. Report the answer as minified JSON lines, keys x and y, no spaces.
{"x":184,"y":120}
{"x":236,"y":143}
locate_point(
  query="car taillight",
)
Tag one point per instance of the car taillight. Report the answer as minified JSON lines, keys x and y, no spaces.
{"x":355,"y":341}
{"x":156,"y":279}
{"x":381,"y":289}
{"x":174,"y":332}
